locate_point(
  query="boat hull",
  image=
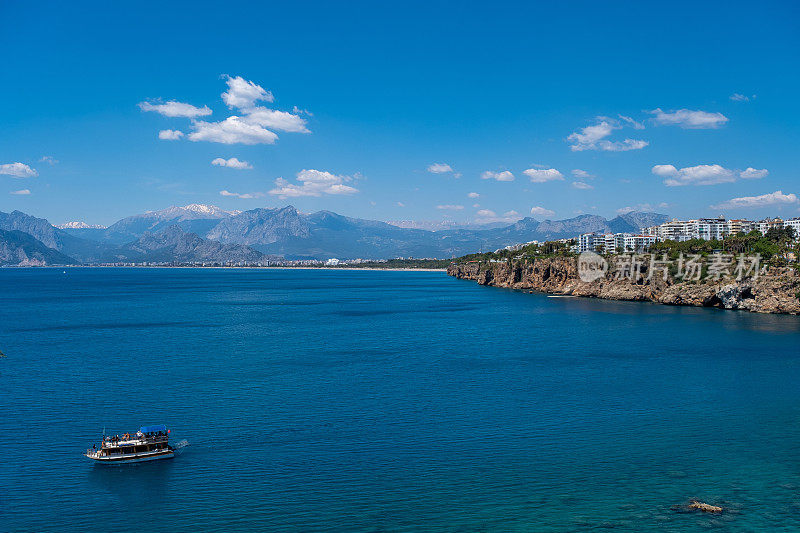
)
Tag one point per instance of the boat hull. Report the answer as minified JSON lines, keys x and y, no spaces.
{"x":133,"y":458}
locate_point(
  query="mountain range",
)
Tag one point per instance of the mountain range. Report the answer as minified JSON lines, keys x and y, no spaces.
{"x":200,"y":233}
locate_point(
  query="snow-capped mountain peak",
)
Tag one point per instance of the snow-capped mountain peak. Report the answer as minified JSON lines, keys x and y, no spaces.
{"x":79,"y":225}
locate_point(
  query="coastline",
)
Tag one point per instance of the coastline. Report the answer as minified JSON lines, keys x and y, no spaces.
{"x":777,"y":291}
{"x":388,"y":269}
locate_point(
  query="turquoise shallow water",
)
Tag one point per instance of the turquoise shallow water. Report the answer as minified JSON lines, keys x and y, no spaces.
{"x":384,"y":401}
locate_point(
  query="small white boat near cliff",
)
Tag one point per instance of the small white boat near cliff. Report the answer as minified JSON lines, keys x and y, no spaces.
{"x":150,"y":443}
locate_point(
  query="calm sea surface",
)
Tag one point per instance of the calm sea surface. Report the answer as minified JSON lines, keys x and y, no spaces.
{"x":385,"y":401}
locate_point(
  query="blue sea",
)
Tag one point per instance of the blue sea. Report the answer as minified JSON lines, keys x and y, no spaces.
{"x":320,"y":400}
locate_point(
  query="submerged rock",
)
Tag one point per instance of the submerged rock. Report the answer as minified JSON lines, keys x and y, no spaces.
{"x":705,"y":507}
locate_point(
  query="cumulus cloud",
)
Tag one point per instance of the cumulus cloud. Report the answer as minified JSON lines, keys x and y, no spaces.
{"x":253,"y":124}
{"x":276,"y":120}
{"x":581,"y":185}
{"x":400,"y":204}
{"x":50,"y":160}
{"x":473,"y":195}
{"x":704,"y":174}
{"x":751,"y":173}
{"x":243,"y":94}
{"x":578,"y":173}
{"x":313,"y":183}
{"x":243,"y":196}
{"x":736,"y":97}
{"x":543,"y":175}
{"x":487,"y":216}
{"x":22,"y":192}
{"x":232,"y":130}
{"x":175,"y":109}
{"x":539,"y":211}
{"x":697,"y":175}
{"x":18,"y":170}
{"x":688,"y":119}
{"x":594,"y":137}
{"x":505,"y":175}
{"x":231,"y":163}
{"x":450,"y":207}
{"x":170,"y":135}
{"x":772,"y":199}
{"x":439,"y":168}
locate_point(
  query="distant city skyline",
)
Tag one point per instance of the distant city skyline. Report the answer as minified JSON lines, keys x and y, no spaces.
{"x":431,"y":114}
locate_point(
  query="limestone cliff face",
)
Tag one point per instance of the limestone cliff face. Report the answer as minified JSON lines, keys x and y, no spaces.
{"x":773,"y":292}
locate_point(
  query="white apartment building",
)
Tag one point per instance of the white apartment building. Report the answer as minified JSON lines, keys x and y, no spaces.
{"x":614,"y":242}
{"x":793,"y":223}
{"x":591,"y":242}
{"x":637,"y":243}
{"x":768,"y":223}
{"x":740,"y":225}
{"x":701,"y":228}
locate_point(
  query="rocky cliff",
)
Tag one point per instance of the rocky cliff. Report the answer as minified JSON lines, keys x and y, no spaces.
{"x":775,"y":291}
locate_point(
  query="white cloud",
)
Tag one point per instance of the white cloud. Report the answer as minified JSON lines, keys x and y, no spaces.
{"x":636,"y":125}
{"x":170,"y":135}
{"x":175,"y":109}
{"x":736,"y":97}
{"x":578,"y":173}
{"x":18,"y":170}
{"x":776,"y":198}
{"x":440,"y":168}
{"x":231,"y":163}
{"x":243,"y":94}
{"x":697,"y":175}
{"x":297,"y":111}
{"x":581,"y":185}
{"x":487,"y":216}
{"x":505,"y":175}
{"x":450,"y":207}
{"x":641,"y":208}
{"x":232,"y":130}
{"x":543,"y":175}
{"x":277,"y":120}
{"x":50,"y":160}
{"x":313,"y":183}
{"x":539,"y":211}
{"x":476,"y":206}
{"x":751,"y":173}
{"x":253,"y":125}
{"x":243,"y":196}
{"x":473,"y":195}
{"x":688,"y":119}
{"x":595,"y":138}
{"x":400,"y":204}
{"x":22,"y":192}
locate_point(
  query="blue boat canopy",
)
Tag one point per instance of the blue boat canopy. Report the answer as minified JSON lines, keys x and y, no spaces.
{"x":153,"y":429}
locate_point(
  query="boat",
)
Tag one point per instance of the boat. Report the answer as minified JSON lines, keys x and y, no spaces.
{"x":149,"y":443}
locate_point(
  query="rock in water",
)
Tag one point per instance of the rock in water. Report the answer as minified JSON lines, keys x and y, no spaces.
{"x":705,"y":507}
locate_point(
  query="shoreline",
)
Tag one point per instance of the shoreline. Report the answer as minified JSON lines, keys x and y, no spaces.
{"x":775,"y":292}
{"x":372,"y":269}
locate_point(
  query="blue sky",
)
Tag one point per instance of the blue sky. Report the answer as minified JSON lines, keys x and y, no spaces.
{"x":373,"y":94}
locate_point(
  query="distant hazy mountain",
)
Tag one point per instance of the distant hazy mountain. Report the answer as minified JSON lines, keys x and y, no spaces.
{"x":20,"y":248}
{"x":175,"y":244}
{"x":635,"y":221}
{"x":440,"y":225}
{"x":83,"y":250}
{"x":293,"y":235}
{"x":195,"y":218}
